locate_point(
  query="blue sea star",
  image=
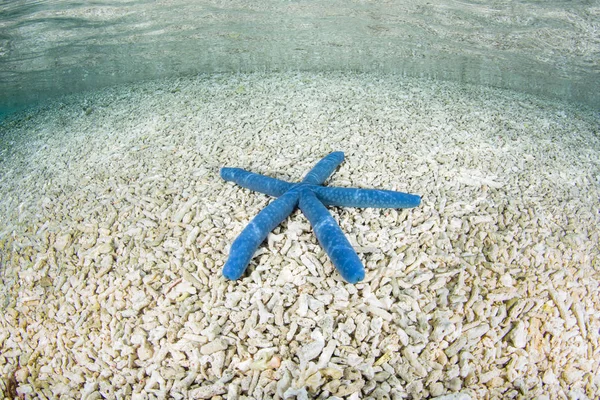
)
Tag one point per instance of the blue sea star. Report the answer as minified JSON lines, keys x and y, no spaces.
{"x":312,"y":198}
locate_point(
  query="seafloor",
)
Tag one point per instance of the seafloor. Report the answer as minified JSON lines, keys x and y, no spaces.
{"x":114,"y":226}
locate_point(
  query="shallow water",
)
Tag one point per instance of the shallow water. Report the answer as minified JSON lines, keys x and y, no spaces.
{"x":115,"y":224}
{"x":48,"y":48}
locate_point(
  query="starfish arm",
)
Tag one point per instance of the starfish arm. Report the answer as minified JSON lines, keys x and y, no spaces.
{"x":259,"y":183}
{"x":373,"y":198}
{"x":320,"y":172}
{"x":331,"y":238}
{"x":243,"y":248}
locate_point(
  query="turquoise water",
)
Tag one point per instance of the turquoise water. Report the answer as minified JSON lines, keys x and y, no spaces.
{"x":50,"y":48}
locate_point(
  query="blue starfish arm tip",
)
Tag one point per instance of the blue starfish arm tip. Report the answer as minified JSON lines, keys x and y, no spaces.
{"x":325,"y":167}
{"x":240,"y":255}
{"x":244,"y":246}
{"x":349,"y":266}
{"x":259,"y":183}
{"x":331,"y":238}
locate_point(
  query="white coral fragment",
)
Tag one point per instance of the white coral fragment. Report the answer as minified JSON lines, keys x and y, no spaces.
{"x":313,"y":349}
{"x":518,"y":335}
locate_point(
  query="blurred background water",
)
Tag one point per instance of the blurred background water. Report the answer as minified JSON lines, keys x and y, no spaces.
{"x":547,"y":48}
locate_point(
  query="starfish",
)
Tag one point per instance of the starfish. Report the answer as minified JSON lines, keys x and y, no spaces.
{"x":311,"y":197}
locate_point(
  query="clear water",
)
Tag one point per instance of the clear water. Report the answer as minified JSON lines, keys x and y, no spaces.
{"x":49,"y":48}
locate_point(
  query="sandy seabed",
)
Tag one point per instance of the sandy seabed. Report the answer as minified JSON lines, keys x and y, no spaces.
{"x":114,"y":227}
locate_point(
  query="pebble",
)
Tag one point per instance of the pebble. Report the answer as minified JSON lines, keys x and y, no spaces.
{"x":213,"y":346}
{"x":518,"y":335}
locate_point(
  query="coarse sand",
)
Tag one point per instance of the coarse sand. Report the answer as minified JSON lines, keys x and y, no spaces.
{"x":115,"y":224}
